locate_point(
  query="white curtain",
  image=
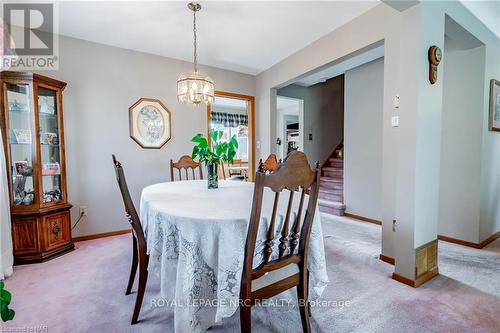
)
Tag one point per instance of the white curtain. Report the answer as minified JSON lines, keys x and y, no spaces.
{"x":6,"y":257}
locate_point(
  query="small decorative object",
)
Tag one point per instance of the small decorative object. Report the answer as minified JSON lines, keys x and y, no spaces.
{"x":15,"y":106}
{"x":23,"y":168}
{"x":49,"y":138}
{"x":22,"y":135}
{"x":212,"y":155}
{"x":50,"y":169}
{"x":53,"y":195}
{"x":435,"y":56}
{"x":29,"y":198}
{"x":46,"y":105}
{"x":494,"y":105}
{"x":194,"y":88}
{"x":150,"y":123}
{"x":5,"y":298}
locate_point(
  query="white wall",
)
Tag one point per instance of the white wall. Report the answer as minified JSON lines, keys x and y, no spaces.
{"x":323,"y":116}
{"x":284,"y":114}
{"x":363,"y":118}
{"x":383,"y":23}
{"x":410,"y":188}
{"x":461,"y":144}
{"x":103,"y":82}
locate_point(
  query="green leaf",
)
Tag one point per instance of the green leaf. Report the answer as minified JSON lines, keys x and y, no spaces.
{"x":203,"y":143}
{"x":195,"y":152}
{"x":11,"y":314}
{"x":231,"y":155}
{"x":197,"y":138}
{"x":215,"y":136}
{"x":5,"y":296}
{"x":234,"y":141}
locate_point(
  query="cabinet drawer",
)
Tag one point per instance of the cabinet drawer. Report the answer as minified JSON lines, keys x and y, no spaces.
{"x":56,"y":230}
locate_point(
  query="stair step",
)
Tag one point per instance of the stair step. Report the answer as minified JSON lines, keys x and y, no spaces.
{"x":331,"y":207}
{"x":331,"y":183}
{"x":333,"y":168}
{"x":331,"y":196}
{"x":339,"y":174}
{"x":333,"y":204}
{"x":336,"y":162}
{"x":326,"y":190}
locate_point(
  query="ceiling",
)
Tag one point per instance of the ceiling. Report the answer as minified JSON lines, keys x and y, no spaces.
{"x":243,"y":36}
{"x":342,"y":66}
{"x":247,"y":37}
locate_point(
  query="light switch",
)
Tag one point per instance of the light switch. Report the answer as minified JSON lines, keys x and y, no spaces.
{"x":257,"y":144}
{"x":396,"y":101}
{"x":395,"y":121}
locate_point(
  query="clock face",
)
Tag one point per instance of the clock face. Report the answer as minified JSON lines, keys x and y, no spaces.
{"x":437,"y":54}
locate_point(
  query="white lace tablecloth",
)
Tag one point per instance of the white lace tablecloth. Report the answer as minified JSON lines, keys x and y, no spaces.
{"x":196,"y":240}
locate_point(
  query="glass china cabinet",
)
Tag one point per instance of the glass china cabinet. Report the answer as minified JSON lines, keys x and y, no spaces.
{"x":33,"y":136}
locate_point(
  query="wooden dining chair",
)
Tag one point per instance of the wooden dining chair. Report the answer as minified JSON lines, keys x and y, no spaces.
{"x":185,"y":163}
{"x":270,"y":164}
{"x":140,"y":257}
{"x":222,"y":171}
{"x":288,"y":267}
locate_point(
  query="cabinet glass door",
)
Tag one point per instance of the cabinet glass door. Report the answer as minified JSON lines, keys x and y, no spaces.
{"x":20,"y":118}
{"x":50,"y":152}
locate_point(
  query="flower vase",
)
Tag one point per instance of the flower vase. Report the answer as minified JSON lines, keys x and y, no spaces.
{"x":213,"y":178}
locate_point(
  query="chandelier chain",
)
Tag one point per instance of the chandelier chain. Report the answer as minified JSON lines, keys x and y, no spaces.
{"x":195,"y":55}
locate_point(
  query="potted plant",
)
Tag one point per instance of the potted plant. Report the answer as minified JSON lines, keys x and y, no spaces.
{"x":5,"y":298}
{"x":211,"y":155}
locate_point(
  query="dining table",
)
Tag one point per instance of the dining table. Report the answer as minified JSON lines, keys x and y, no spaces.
{"x":196,"y":245}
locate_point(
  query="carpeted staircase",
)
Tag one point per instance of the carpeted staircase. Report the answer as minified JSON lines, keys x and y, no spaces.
{"x":331,"y":189}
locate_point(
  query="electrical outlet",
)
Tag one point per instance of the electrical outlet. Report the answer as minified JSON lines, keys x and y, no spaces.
{"x":393,"y":225}
{"x":83,"y":210}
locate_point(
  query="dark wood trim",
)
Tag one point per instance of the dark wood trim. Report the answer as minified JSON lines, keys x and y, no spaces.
{"x":251,"y":125}
{"x":490,"y":239}
{"x":402,"y":279}
{"x":481,"y":245}
{"x":101,"y":235}
{"x":25,"y":76}
{"x":387,"y":259}
{"x":459,"y":241}
{"x":362,"y":218}
{"x":418,"y":282}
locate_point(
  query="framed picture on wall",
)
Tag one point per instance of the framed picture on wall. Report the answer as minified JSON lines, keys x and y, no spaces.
{"x":150,"y":122}
{"x":494,"y":105}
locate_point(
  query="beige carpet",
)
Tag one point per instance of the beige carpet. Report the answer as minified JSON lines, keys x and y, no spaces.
{"x":83,"y":291}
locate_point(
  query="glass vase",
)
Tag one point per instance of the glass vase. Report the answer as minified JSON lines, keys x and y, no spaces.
{"x":213,"y":178}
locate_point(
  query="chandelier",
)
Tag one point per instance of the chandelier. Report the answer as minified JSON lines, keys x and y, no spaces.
{"x":194,"y":88}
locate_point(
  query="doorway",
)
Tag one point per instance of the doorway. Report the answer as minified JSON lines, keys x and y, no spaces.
{"x":290,"y":125}
{"x":233,"y":114}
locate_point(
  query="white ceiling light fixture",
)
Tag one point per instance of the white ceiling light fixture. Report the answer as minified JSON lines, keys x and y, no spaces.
{"x":194,"y":88}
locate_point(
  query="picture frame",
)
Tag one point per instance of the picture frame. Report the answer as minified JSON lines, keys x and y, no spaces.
{"x":494,"y":119}
{"x":150,"y":123}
